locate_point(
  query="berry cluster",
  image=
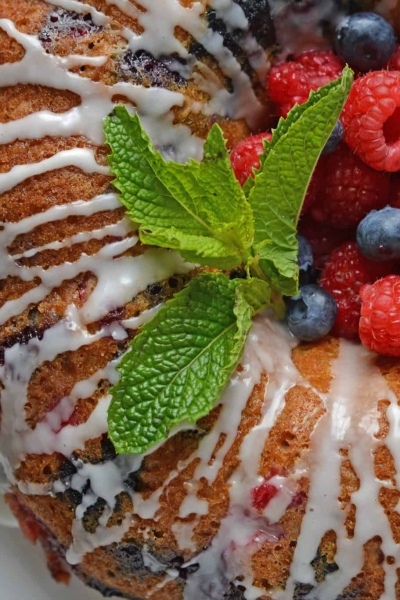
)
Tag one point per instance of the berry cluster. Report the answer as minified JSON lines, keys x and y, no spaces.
{"x":349,"y":247}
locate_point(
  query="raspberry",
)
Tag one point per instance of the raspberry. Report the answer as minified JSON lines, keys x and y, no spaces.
{"x":345,"y":272}
{"x":351,"y":190}
{"x":262,"y":495}
{"x":245,"y":156}
{"x":394,"y":62}
{"x":371,"y":119}
{"x":291,"y":82}
{"x":380,"y":316}
{"x":323,"y":238}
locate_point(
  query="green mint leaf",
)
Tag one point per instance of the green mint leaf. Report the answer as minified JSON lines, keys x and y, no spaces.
{"x":196,"y":209}
{"x":180,"y":362}
{"x":256,"y":292}
{"x":278,"y":191}
{"x":225,"y":203}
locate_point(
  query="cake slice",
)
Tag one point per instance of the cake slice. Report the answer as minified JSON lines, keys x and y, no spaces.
{"x":289,"y":487}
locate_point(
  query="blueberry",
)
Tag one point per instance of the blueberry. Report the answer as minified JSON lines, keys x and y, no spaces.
{"x":335,"y":138}
{"x":305,"y":257}
{"x":311,"y":314}
{"x":365,"y":41}
{"x":378,"y":234}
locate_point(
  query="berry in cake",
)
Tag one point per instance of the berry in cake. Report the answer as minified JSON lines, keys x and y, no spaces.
{"x":149,"y":71}
{"x":311,"y":314}
{"x":345,"y":272}
{"x":63,"y":23}
{"x":378,"y":235}
{"x":371,"y":119}
{"x":262,"y":495}
{"x":365,"y":41}
{"x":380,"y":316}
{"x":351,"y":190}
{"x":291,"y":82}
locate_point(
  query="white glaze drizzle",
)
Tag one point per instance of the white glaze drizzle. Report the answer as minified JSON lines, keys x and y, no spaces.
{"x":120,"y":229}
{"x":83,"y":158}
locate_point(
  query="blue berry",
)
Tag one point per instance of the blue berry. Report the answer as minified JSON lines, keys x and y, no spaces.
{"x":365,"y":41}
{"x":378,"y":234}
{"x":305,"y":257}
{"x":311,"y":314}
{"x":335,"y":138}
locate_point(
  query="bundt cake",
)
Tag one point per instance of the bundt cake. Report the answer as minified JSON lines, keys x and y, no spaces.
{"x":289,"y":488}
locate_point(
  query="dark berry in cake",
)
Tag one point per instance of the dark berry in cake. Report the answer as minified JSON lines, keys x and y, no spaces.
{"x":62,"y":23}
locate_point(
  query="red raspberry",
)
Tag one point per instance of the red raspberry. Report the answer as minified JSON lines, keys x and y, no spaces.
{"x":290,"y":83}
{"x":345,"y":272}
{"x":351,"y":190}
{"x":394,"y":62}
{"x":262,"y":495}
{"x":323,"y":238}
{"x":371,"y":119}
{"x":380,"y":316}
{"x":245,"y":156}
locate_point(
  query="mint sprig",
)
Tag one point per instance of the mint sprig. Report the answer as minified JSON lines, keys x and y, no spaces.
{"x":181,"y":361}
{"x":278,"y":191}
{"x":196,"y":209}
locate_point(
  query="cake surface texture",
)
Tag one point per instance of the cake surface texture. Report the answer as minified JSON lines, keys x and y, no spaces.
{"x":289,"y":489}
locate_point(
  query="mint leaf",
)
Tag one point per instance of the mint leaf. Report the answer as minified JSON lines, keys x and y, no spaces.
{"x":278,"y":191}
{"x":256,"y":292}
{"x":225,"y":202}
{"x":180,"y":362}
{"x":198,"y":210}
